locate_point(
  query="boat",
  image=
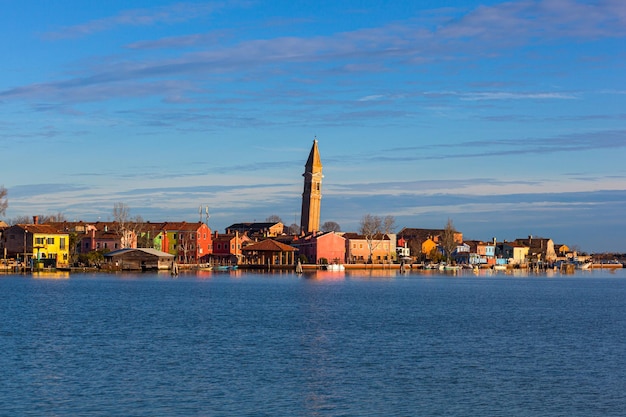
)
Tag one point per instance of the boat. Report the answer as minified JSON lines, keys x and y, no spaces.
{"x":584,"y":266}
{"x":225,"y":268}
{"x":452,"y":267}
{"x":335,"y":267}
{"x":499,"y":267}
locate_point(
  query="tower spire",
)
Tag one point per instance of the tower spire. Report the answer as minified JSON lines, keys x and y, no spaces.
{"x":312,"y":194}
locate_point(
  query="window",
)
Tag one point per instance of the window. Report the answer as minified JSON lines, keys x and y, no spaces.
{"x":39,"y":240}
{"x":62,"y":243}
{"x":50,"y":241}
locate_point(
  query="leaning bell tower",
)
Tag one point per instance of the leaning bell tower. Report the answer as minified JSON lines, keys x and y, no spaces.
{"x":312,"y":195}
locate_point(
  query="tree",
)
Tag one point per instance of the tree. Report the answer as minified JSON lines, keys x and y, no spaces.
{"x":125,"y":226}
{"x":448,"y":240}
{"x":331,"y":227}
{"x":20,"y":220}
{"x":274,"y":219}
{"x":294,"y":229}
{"x":53,"y":218}
{"x":4,"y":202}
{"x":374,"y":229}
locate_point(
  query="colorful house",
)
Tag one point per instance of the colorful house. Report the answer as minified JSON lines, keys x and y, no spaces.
{"x":319,"y":246}
{"x":38,"y":245}
{"x":514,"y":252}
{"x":361,"y":250}
{"x":428,"y":246}
{"x":482,"y":253}
{"x":539,"y":249}
{"x":227,"y":248}
{"x":190,"y":243}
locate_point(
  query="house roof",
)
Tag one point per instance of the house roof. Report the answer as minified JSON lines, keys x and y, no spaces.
{"x":182,"y":226}
{"x":252,"y":227}
{"x":41,"y":229}
{"x":356,"y":236}
{"x":269,"y":245}
{"x":317,"y":235}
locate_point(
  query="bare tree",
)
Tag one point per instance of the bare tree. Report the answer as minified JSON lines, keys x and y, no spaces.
{"x":374,"y":229}
{"x":20,"y":220}
{"x":125,"y":226}
{"x":4,"y":202}
{"x":448,"y":241}
{"x":294,"y":229}
{"x":331,"y":227}
{"x":53,"y":218}
{"x":274,"y":219}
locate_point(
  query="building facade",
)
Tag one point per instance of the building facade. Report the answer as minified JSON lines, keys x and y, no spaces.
{"x":37,"y":245}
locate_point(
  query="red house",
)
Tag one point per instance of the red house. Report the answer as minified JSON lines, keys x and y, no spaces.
{"x":227,"y":247}
{"x":317,"y":246}
{"x":190,"y":242}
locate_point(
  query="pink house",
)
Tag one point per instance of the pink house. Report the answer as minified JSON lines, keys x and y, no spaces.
{"x":317,"y":246}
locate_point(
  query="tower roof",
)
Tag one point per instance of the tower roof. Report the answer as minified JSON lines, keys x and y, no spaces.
{"x":314,"y":163}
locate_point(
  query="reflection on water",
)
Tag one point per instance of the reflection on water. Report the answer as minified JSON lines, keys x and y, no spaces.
{"x":323,"y":343}
{"x":51,"y":275}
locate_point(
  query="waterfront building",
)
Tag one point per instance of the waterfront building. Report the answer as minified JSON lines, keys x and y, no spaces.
{"x":312,"y":194}
{"x":138,"y":259}
{"x":37,"y":245}
{"x":359,"y":249}
{"x":425,"y":240}
{"x":191,"y":243}
{"x":269,"y":253}
{"x":539,"y":249}
{"x":482,"y":253}
{"x":513,"y":252}
{"x":318,"y":246}
{"x":227,"y":248}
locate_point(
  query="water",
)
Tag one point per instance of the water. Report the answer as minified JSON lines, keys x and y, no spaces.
{"x":326,"y":344}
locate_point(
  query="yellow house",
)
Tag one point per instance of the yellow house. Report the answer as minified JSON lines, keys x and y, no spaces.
{"x":427,"y":246}
{"x":41,"y":244}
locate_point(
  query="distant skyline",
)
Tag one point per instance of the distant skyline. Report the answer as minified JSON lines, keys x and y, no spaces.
{"x":507,"y":117}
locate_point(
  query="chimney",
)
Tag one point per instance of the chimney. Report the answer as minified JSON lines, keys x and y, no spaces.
{"x":35,"y":219}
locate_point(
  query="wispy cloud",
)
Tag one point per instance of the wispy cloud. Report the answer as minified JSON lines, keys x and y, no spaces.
{"x":403,"y":44}
{"x":175,"y":13}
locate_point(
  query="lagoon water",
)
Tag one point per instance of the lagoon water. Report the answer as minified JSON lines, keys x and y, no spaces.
{"x":321,"y":344}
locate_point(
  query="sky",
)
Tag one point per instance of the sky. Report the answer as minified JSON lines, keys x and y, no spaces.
{"x":506,"y":117}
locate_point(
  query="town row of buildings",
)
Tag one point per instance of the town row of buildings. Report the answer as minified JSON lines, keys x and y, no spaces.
{"x":63,"y":244}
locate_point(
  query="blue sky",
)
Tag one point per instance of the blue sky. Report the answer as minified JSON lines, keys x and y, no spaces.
{"x":507,"y":117}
